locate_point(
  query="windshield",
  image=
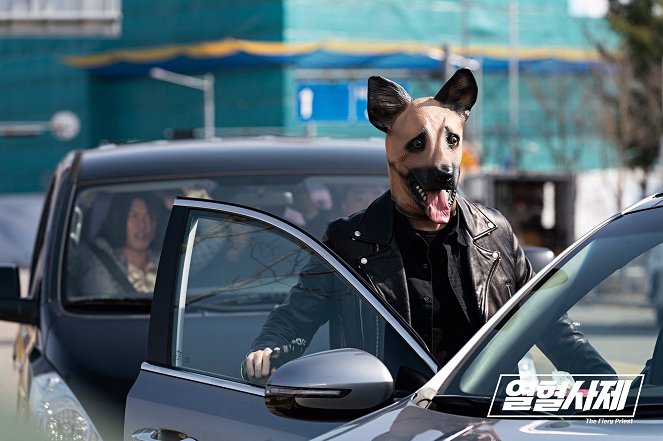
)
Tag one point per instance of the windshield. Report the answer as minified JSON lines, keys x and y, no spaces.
{"x":116,"y":231}
{"x":596,"y":315}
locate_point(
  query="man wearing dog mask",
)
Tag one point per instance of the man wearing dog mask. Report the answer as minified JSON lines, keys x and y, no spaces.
{"x":445,"y":264}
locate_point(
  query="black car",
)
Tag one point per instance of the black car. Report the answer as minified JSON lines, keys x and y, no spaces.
{"x":98,"y":245}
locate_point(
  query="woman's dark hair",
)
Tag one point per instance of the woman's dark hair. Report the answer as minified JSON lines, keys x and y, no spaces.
{"x":114,"y":229}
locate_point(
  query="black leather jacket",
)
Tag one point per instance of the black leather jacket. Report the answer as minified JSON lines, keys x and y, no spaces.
{"x":366,"y":241}
{"x":498,"y":266}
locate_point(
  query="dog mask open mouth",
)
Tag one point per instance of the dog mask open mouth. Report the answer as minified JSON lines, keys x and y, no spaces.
{"x":423,"y":143}
{"x":434,"y":191}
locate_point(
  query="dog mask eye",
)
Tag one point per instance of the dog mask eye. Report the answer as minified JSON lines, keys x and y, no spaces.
{"x":452,"y":139}
{"x":417,"y":144}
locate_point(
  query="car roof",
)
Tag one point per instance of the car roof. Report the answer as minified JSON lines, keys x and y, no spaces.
{"x":232,"y":156}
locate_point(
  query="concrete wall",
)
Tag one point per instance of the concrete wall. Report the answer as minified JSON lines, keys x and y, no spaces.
{"x":596,"y":192}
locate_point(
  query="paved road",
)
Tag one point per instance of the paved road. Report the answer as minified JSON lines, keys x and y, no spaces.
{"x":7,"y":376}
{"x":624,"y":334}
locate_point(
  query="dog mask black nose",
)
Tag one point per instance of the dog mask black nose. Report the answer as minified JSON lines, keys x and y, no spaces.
{"x":436,"y":178}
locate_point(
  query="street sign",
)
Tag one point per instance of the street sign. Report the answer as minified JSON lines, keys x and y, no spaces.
{"x":330,"y":101}
{"x":322,"y":102}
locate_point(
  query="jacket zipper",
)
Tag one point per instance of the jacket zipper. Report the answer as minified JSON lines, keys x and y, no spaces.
{"x":370,"y":279}
{"x":376,"y":348}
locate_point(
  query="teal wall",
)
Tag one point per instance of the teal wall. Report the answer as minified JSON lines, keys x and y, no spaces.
{"x":557,"y":119}
{"x":35,"y":82}
{"x":481,"y":26}
{"x":143,"y":108}
{"x":541,"y":23}
{"x":154,"y":22}
{"x":33,"y":86}
{"x":140,"y":108}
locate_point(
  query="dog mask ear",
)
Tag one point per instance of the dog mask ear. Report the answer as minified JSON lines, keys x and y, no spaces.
{"x":386,"y":100}
{"x":460,"y":92}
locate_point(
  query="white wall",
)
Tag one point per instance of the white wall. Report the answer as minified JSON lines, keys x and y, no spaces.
{"x":595,"y":195}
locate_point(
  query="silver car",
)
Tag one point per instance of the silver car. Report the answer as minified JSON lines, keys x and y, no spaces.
{"x":499,"y":386}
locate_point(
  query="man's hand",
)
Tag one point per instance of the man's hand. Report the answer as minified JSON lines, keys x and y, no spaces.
{"x":258,"y":363}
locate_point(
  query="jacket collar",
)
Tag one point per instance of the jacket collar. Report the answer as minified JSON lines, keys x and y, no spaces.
{"x":377,"y":224}
{"x":475,"y":221}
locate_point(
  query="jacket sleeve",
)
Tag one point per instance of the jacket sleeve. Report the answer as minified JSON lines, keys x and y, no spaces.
{"x":522,"y":267}
{"x":320,"y":296}
{"x":570,"y":351}
{"x":310,"y":303}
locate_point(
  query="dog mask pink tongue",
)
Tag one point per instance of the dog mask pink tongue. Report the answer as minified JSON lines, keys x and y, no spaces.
{"x":438,"y":206}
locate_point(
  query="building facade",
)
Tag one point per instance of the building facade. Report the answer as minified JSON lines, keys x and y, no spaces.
{"x":299,"y":67}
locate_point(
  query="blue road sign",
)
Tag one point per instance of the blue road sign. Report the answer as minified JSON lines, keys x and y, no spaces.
{"x":332,"y":101}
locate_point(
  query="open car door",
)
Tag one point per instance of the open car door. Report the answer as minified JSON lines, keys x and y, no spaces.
{"x":223,"y":269}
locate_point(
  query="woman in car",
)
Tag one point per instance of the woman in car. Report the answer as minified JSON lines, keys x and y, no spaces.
{"x":122,"y":260}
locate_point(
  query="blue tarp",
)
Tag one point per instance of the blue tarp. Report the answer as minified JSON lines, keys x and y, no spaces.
{"x":230,"y":54}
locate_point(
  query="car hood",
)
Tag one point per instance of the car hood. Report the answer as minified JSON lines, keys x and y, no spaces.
{"x":407,"y":421}
{"x":99,"y":356}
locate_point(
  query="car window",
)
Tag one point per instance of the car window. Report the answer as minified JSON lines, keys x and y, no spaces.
{"x":114,"y":242}
{"x":235,"y":272}
{"x":607,"y":293}
{"x":618,"y":316}
{"x":116,"y":231}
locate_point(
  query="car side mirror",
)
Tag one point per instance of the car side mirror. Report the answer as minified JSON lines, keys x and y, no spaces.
{"x":539,"y":257}
{"x":13,"y":308}
{"x":335,"y":385}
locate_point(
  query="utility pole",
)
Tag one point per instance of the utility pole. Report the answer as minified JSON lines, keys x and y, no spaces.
{"x":464,"y":34}
{"x":514,"y":98}
{"x":206,"y":84}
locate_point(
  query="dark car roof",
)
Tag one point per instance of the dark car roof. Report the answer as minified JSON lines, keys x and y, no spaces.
{"x":227,"y":156}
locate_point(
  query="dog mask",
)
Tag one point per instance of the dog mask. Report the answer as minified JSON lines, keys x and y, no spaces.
{"x":423,"y":143}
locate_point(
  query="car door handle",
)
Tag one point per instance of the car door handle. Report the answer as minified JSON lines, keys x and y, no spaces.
{"x":161,"y":435}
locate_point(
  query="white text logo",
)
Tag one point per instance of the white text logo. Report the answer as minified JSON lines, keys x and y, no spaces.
{"x":580,"y":396}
